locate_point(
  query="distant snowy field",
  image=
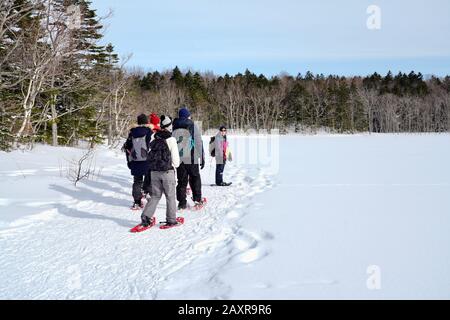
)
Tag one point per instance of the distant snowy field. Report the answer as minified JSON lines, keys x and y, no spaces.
{"x":327,"y":216}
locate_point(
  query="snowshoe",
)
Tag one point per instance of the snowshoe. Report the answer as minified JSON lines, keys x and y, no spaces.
{"x":199,"y":205}
{"x":144,"y":226}
{"x":165,"y":225}
{"x":137,"y":206}
{"x":225,"y":184}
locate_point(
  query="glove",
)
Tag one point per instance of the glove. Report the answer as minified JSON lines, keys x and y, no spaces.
{"x":228,"y":155}
{"x":202,"y":164}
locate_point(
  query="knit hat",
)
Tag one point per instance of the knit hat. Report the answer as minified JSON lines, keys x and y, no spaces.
{"x":154,"y":119}
{"x":165,"y":121}
{"x":184,"y":113}
{"x":222,"y":128}
{"x":142,"y":119}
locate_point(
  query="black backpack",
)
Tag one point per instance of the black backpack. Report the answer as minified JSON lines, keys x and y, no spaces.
{"x":159,"y":157}
{"x":212,"y":147}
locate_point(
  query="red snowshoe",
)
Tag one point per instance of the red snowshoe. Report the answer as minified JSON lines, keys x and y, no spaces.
{"x":136,"y":206}
{"x":199,"y":205}
{"x":140,"y":228}
{"x":165,"y":225}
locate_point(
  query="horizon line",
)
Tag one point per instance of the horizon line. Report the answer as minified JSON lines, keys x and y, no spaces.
{"x":281,"y":73}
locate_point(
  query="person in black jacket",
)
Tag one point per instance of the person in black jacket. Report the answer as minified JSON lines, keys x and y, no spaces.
{"x":137,"y":147}
{"x":192,"y":156}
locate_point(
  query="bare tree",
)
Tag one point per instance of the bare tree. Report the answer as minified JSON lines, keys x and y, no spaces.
{"x":40,"y":52}
{"x":369,"y":100}
{"x":81,"y":168}
{"x":62,"y":48}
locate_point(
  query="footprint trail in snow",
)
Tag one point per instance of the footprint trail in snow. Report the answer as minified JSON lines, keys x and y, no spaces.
{"x":79,"y":247}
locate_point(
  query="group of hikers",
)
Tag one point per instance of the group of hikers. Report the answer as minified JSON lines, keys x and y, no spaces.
{"x":166,"y":155}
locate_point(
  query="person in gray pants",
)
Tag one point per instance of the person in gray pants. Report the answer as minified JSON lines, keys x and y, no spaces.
{"x":164,"y":158}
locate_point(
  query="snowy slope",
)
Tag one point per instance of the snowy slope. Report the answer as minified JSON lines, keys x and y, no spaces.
{"x":307,"y":227}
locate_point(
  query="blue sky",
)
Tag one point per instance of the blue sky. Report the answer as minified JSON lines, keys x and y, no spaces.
{"x":324,"y":36}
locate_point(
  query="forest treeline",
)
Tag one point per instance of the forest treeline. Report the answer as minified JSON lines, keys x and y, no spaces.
{"x":59,"y":84}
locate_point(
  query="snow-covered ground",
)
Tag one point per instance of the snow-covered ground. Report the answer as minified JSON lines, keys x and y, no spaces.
{"x":321,"y":217}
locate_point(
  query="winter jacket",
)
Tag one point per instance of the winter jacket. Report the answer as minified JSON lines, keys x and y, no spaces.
{"x":140,"y":168}
{"x":185,"y":128}
{"x":222,"y":149}
{"x":172,"y":144}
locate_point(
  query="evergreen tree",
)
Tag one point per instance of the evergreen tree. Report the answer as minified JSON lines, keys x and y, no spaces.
{"x":177,"y":77}
{"x":88,"y":73}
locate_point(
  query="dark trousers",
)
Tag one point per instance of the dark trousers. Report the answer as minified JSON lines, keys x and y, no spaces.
{"x":147,"y":186}
{"x":219,"y":173}
{"x":138,"y":181}
{"x":141,"y":183}
{"x":189,"y":173}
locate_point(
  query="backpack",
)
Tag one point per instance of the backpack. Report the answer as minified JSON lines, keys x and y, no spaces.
{"x":160,"y":157}
{"x":212,"y":147}
{"x":185,"y":141}
{"x":139,"y":151}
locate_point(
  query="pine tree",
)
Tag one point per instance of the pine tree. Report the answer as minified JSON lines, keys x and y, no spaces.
{"x":88,"y":73}
{"x":387,"y":83}
{"x":177,"y":77}
{"x":16,"y":17}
